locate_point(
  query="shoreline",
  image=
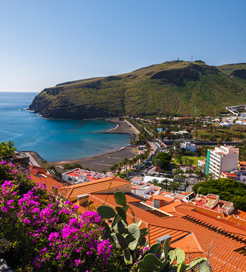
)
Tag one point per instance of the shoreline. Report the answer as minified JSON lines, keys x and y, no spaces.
{"x":93,"y":157}
{"x":103,"y":161}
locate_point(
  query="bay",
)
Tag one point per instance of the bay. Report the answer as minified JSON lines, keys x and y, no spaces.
{"x":54,"y":140}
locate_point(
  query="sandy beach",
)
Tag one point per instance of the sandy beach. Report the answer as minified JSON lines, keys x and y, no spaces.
{"x":104,"y":161}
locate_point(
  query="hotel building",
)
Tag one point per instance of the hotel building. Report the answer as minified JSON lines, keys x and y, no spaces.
{"x":221,"y":159}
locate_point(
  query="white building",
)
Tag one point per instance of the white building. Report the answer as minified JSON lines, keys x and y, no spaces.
{"x":188,"y":146}
{"x":221,"y":159}
{"x":202,"y":165}
{"x":146,"y":190}
{"x":80,"y":175}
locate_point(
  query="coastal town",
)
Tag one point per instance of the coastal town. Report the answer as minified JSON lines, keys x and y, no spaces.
{"x":123,"y":136}
{"x":161,"y":173}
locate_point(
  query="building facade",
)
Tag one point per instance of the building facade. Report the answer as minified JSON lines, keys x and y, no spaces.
{"x":188,"y":146}
{"x":221,"y":159}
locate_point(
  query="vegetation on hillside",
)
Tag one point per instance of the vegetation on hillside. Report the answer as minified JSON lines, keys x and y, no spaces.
{"x":177,"y":87}
{"x":227,"y":190}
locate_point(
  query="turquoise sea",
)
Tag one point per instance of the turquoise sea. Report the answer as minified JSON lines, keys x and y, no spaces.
{"x":54,"y":140}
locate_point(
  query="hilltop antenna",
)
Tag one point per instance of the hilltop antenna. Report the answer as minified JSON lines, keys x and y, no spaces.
{"x":191,"y":59}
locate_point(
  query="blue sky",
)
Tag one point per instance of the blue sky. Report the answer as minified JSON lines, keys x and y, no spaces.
{"x":47,"y":42}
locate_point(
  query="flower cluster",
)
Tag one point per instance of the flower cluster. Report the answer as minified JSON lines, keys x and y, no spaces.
{"x":56,"y":236}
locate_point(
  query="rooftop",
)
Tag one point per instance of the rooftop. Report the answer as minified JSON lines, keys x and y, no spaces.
{"x":40,"y":176}
{"x":90,"y":175}
{"x":94,"y":186}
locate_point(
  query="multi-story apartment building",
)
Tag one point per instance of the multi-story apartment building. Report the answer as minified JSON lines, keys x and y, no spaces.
{"x":188,"y":146}
{"x":221,"y":159}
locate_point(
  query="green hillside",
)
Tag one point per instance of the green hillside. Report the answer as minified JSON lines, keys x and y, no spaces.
{"x":172,"y":87}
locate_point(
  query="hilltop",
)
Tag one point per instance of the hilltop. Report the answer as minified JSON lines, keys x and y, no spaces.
{"x":179,"y":87}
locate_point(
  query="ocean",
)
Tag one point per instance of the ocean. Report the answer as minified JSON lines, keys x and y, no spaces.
{"x":54,"y":140}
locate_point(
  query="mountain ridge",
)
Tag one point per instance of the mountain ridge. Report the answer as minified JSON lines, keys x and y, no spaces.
{"x":179,"y":87}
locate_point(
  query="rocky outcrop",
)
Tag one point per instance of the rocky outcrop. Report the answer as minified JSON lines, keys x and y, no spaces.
{"x":239,"y":73}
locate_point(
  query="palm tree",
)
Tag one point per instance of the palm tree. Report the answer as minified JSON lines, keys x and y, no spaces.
{"x":113,"y":168}
{"x":125,"y":162}
{"x":142,"y":157}
{"x":134,"y":160}
{"x":165,"y":181}
{"x":198,"y":172}
{"x":174,"y":185}
{"x":130,"y":162}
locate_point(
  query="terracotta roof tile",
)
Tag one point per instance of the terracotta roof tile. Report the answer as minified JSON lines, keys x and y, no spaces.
{"x":94,"y":186}
{"x":189,"y":244}
{"x":164,"y":198}
{"x":49,"y":182}
{"x":171,"y":207}
{"x":197,"y":238}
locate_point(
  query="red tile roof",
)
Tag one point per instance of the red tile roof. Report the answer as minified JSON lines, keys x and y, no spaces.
{"x":49,"y":182}
{"x":211,"y":236}
{"x":95,"y":186}
{"x":164,"y":198}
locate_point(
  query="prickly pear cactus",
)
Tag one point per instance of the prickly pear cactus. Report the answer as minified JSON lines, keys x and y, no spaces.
{"x":130,"y":240}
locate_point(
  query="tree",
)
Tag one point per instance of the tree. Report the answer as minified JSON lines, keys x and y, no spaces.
{"x":227,"y":190}
{"x":125,"y":162}
{"x":130,"y":163}
{"x":166,"y":182}
{"x":162,"y":160}
{"x":199,"y":174}
{"x":174,"y":185}
{"x":113,"y":168}
{"x":7,"y":149}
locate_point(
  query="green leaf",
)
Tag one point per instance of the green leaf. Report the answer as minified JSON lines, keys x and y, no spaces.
{"x":172,"y":256}
{"x":180,"y":256}
{"x":163,"y":265}
{"x":129,"y":238}
{"x":146,"y":267}
{"x":142,"y":241}
{"x":134,"y":230}
{"x":125,"y":208}
{"x":204,"y":267}
{"x":120,"y":198}
{"x":151,"y":258}
{"x":133,"y":245}
{"x":120,"y":227}
{"x":156,"y":248}
{"x":144,"y":232}
{"x":139,"y":223}
{"x":202,"y":263}
{"x":181,"y":267}
{"x":127,"y":257}
{"x":105,"y":212}
{"x":119,"y":240}
{"x":166,"y":247}
{"x":117,"y":219}
{"x":121,"y":212}
{"x":149,"y":263}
